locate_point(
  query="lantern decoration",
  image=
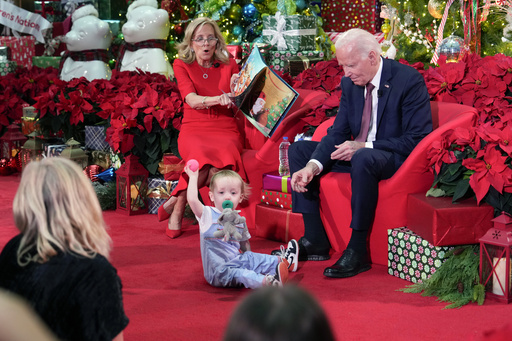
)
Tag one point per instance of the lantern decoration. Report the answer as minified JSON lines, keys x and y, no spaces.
{"x":11,"y":142}
{"x":495,"y":250}
{"x":32,"y":150}
{"x":75,"y":153}
{"x":132,"y":187}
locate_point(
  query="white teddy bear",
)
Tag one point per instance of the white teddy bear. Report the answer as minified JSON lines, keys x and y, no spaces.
{"x":87,"y":47}
{"x":145,"y":34}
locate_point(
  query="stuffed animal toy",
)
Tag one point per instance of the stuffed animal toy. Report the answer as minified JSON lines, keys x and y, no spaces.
{"x":87,"y":44}
{"x":229,"y":219}
{"x":145,"y":34}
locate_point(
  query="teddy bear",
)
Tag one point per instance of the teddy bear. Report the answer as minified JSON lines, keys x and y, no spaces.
{"x":145,"y":34}
{"x":87,"y":46}
{"x":229,"y":218}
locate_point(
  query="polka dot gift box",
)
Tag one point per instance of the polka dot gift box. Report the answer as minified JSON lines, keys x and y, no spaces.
{"x":342,"y":15}
{"x":411,"y":257}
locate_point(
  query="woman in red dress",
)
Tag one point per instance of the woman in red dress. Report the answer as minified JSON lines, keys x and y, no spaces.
{"x":209,"y":132}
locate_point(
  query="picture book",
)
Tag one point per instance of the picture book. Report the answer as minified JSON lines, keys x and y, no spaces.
{"x":261,"y":95}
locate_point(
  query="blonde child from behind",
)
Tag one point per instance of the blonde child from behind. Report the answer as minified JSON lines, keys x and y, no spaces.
{"x":232,"y":263}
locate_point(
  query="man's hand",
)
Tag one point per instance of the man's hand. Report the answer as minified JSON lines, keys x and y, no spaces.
{"x":346,"y":150}
{"x":301,"y":178}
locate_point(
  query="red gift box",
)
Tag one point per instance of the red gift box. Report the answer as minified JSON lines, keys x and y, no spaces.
{"x":275,"y":182}
{"x":444,"y":223}
{"x":274,"y":198}
{"x":342,"y":15}
{"x":171,"y":167}
{"x":22,"y":49}
{"x":235,"y":51}
{"x":278,"y":223}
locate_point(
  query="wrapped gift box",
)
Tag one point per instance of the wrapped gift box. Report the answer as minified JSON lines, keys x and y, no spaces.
{"x":29,"y":120}
{"x":236,"y":52}
{"x":247,"y":48}
{"x":46,"y":61}
{"x":299,"y":31}
{"x":296,"y":64}
{"x":5,"y":54}
{"x":159,"y":190}
{"x":444,"y":223}
{"x":51,"y":10}
{"x":278,"y":60}
{"x":7,"y":67}
{"x":274,"y":182}
{"x":278,"y":223}
{"x":342,"y":15}
{"x":56,"y":149}
{"x":95,"y":138}
{"x":171,"y":167}
{"x":411,"y":257}
{"x":279,"y":199}
{"x":22,"y":49}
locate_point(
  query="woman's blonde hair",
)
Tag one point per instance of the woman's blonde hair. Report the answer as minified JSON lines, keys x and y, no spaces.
{"x":56,"y":208}
{"x":227,"y":173}
{"x":185,"y":51}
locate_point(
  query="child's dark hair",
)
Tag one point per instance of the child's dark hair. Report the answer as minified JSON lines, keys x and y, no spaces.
{"x":227,"y":173}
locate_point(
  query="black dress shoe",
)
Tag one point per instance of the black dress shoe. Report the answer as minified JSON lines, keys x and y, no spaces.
{"x":308,"y":252}
{"x":350,"y":264}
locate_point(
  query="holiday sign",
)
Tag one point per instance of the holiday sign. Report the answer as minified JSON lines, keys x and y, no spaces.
{"x":24,"y":21}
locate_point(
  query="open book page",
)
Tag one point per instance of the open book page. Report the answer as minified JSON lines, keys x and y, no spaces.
{"x":261,"y":95}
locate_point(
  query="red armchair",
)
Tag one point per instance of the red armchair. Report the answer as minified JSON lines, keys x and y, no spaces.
{"x":413,"y":176}
{"x":262,"y":154}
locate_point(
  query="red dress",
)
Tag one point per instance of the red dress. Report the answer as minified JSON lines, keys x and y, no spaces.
{"x":210,"y":136}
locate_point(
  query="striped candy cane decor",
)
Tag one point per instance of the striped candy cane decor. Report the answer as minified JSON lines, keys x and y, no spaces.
{"x":435,"y":57}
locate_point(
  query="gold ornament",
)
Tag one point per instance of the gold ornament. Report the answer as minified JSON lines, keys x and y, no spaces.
{"x":435,"y":8}
{"x":386,"y":28}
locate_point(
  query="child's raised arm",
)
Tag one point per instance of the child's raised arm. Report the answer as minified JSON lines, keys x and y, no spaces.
{"x":192,"y":192}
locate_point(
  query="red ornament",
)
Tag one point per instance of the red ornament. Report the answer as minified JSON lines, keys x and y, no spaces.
{"x":169,"y":5}
{"x":4,"y":167}
{"x":178,"y":29}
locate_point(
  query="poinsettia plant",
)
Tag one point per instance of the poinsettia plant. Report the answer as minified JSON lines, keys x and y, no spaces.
{"x":324,"y":76}
{"x":140,"y":110}
{"x":475,"y":161}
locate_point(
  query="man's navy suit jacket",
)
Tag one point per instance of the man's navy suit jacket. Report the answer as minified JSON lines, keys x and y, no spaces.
{"x":403,"y":115}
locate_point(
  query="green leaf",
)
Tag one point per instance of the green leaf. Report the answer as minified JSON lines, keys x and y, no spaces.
{"x":461,"y":190}
{"x":435,"y":192}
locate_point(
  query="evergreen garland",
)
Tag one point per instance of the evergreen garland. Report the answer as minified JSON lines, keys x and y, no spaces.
{"x":106,"y":194}
{"x":456,"y":281}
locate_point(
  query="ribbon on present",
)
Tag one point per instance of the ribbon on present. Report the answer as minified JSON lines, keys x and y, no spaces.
{"x":278,"y":35}
{"x":159,"y":192}
{"x":284,"y":183}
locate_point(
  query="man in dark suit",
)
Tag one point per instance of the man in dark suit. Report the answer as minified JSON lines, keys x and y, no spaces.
{"x":384,"y":113}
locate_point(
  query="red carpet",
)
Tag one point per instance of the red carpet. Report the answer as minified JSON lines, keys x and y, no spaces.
{"x":167,"y":298}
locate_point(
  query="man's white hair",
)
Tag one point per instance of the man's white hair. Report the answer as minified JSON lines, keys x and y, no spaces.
{"x":84,"y":12}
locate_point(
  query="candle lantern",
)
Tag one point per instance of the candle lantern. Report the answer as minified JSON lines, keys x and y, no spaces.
{"x":32,"y":150}
{"x":11,"y":142}
{"x":132,"y":187}
{"x":495,"y":251}
{"x":75,"y":153}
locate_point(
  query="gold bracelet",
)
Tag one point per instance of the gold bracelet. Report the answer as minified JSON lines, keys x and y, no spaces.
{"x":203,"y":102}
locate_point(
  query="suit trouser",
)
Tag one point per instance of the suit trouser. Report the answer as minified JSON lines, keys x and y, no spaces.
{"x":367,"y":167}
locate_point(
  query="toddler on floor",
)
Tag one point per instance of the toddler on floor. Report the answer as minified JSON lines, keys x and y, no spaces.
{"x":231,"y":263}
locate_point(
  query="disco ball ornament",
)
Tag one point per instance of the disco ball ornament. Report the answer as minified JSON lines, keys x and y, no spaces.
{"x":435,"y":8}
{"x":250,"y":12}
{"x":234,"y":12}
{"x":452,"y":48}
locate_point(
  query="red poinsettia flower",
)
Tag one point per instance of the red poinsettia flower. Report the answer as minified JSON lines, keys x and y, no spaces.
{"x":489,"y":170}
{"x":440,"y":153}
{"x":502,"y":67}
{"x":502,"y":137}
{"x":480,"y":83}
{"x":441,"y":81}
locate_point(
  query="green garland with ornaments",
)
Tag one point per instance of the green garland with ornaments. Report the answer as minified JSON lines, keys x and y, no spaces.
{"x":416,"y":25}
